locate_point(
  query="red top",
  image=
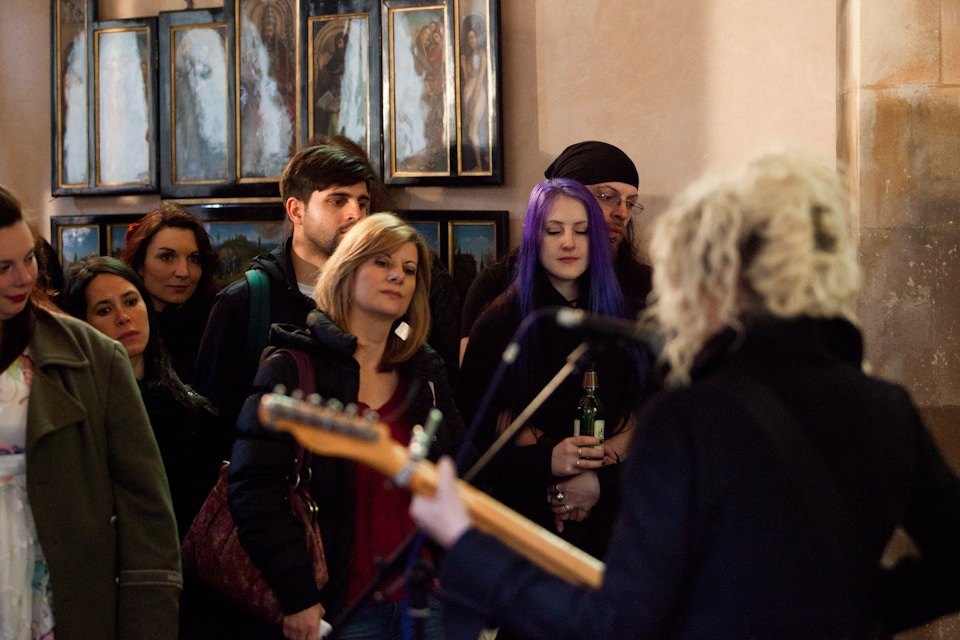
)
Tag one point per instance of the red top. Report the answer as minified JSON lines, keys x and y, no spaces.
{"x":381,"y":510}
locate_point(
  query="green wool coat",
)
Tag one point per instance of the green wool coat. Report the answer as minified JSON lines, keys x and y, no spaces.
{"x":98,"y":489}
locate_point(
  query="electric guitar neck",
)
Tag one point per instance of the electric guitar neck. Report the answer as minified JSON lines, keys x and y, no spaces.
{"x":328,"y":431}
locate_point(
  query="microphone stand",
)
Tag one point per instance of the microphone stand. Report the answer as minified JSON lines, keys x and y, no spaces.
{"x":419,"y":580}
{"x":570,"y":366}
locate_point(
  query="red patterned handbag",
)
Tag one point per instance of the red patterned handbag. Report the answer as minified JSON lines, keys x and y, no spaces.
{"x":211,"y":550}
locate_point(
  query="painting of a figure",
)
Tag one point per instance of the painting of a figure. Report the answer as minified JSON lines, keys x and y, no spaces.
{"x":267,"y":70}
{"x":340,"y":78}
{"x":72,"y":111}
{"x":474,"y":92}
{"x":419,"y":102}
{"x":123,"y":106}
{"x":200,"y":106}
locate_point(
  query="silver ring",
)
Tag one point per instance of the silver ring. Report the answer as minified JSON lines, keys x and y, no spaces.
{"x":556,"y":488}
{"x":560,"y":496}
{"x":580,"y":451}
{"x":568,"y":507}
{"x":578,"y":463}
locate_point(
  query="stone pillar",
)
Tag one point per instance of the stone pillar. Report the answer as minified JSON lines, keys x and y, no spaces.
{"x":898,"y":108}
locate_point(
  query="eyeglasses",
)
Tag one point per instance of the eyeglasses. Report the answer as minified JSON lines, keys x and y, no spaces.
{"x":613,"y":201}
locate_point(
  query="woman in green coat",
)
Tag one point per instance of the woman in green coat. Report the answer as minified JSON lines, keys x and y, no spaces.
{"x":88,"y":542}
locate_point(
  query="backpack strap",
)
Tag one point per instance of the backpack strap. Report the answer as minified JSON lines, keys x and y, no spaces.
{"x":258,"y":328}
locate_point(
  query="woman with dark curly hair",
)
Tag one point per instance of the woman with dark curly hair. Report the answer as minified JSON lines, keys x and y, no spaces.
{"x":171,"y":251}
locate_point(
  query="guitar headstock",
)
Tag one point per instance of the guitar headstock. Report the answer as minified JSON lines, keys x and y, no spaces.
{"x":332,"y":430}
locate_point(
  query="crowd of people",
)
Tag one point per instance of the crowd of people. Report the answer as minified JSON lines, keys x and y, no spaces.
{"x":748,"y":481}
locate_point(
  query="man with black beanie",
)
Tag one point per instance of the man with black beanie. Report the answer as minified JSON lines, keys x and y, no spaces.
{"x":610,"y":175}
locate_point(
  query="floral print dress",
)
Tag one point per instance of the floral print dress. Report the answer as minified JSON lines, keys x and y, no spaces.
{"x":26,"y":611}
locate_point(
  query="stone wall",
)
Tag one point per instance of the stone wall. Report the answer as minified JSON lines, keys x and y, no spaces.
{"x":899,"y":131}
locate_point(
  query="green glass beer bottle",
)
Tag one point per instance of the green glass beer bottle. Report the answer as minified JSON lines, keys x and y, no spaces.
{"x":589,"y":420}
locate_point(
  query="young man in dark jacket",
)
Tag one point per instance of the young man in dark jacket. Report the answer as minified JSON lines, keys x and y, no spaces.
{"x":325,"y":189}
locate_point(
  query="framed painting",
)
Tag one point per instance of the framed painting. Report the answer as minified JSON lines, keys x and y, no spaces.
{"x":123,"y":106}
{"x":74,"y":239}
{"x":69,"y":28}
{"x":197,"y":150}
{"x":466,"y":241}
{"x":479,"y":152}
{"x":241,"y":232}
{"x":344,"y":72}
{"x":418,"y":90}
{"x":441,"y":93}
{"x":77,"y":237}
{"x":268,"y":59}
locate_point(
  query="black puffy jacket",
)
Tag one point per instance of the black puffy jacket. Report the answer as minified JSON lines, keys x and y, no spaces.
{"x":262,"y":461}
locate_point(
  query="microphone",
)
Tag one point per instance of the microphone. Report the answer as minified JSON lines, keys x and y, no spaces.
{"x":602,"y":326}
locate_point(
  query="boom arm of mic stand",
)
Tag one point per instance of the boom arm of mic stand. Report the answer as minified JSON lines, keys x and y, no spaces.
{"x":569,"y":367}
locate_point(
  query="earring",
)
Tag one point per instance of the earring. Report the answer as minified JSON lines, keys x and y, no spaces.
{"x":402,"y":331}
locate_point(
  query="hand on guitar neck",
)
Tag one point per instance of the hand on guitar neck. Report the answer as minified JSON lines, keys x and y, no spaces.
{"x":444,"y":516}
{"x":331,"y":431}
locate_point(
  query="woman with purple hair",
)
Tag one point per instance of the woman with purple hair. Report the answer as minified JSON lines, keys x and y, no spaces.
{"x":546,"y":473}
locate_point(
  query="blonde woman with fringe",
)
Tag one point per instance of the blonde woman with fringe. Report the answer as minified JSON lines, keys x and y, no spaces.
{"x":765,"y":482}
{"x":366,"y":342}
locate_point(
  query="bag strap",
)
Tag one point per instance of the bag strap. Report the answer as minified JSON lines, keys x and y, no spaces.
{"x":258,"y":327}
{"x":308,"y":384}
{"x":800,"y":458}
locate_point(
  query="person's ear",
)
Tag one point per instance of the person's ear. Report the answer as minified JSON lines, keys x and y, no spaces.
{"x":295,"y":210}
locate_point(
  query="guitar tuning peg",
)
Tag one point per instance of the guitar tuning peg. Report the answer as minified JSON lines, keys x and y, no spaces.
{"x":280,"y":390}
{"x":350,"y":409}
{"x":314,"y":399}
{"x":297,"y":394}
{"x":335,"y":405}
{"x":371,"y":416}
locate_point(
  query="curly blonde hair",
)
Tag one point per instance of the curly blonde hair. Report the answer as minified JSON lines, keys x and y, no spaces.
{"x":373,"y":235}
{"x":771,"y":240}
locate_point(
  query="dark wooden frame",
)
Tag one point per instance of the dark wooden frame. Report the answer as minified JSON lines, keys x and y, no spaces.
{"x":439,"y":162}
{"x":64,"y":13}
{"x":447,"y":224}
{"x":173,"y":183}
{"x":319,"y":12}
{"x":98,"y":30}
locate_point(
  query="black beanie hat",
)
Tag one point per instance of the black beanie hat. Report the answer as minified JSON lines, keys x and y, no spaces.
{"x":594,"y":162}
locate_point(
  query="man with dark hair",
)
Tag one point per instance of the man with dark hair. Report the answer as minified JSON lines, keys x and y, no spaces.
{"x":325,"y":190}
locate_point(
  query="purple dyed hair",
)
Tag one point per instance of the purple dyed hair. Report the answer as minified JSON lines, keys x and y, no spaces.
{"x":605,"y":295}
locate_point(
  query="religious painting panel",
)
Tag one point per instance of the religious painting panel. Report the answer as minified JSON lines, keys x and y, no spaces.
{"x":69,"y":28}
{"x":124,"y":110}
{"x":197,"y":155}
{"x":267,"y":37}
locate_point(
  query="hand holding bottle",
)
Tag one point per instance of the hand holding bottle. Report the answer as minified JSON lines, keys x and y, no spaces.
{"x":576,"y":454}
